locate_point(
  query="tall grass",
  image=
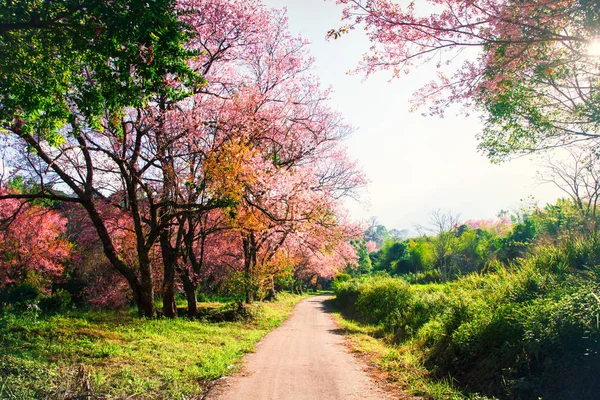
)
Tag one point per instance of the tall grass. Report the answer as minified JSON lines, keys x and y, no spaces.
{"x":525,"y":333}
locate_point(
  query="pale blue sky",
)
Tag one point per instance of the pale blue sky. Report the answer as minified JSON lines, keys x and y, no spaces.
{"x":415,"y":164}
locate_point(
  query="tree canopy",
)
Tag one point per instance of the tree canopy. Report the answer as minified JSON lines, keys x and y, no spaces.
{"x":527,"y":64}
{"x":83,"y":58}
{"x":207,"y":149}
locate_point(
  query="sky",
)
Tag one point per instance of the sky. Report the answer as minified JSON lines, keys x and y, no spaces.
{"x":415,"y":164}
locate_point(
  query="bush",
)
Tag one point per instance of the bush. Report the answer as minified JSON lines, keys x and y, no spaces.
{"x":59,"y":301}
{"x":339,"y":278}
{"x":572,"y":254}
{"x":347,"y":293}
{"x":384,"y":302}
{"x":22,"y":298}
{"x":429,"y":276}
{"x":26,"y":297}
{"x":528,"y":332}
{"x":20,"y":294}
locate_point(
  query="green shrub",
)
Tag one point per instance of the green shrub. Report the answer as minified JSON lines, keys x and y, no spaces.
{"x":572,"y":254}
{"x":347,"y":294}
{"x":429,"y":276}
{"x":59,"y":301}
{"x":23,"y":293}
{"x":22,"y":298}
{"x":27,"y":298}
{"x":339,"y":279}
{"x":526,"y":332}
{"x":384,"y":302}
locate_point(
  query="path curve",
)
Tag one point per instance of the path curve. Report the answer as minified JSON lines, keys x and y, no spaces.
{"x":303,"y":359}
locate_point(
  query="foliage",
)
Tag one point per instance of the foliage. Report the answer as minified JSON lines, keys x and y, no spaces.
{"x":400,"y":363}
{"x":33,"y":248}
{"x":28,"y":299}
{"x":530,"y":68}
{"x":376,"y":233}
{"x":393,"y":257}
{"x":420,"y":254}
{"x":578,"y":176}
{"x":382,"y":302}
{"x":482,"y":245}
{"x":364,"y":264}
{"x":243,"y":170}
{"x":339,"y":279}
{"x":83,"y":57}
{"x":454,"y":250}
{"x":524,"y":333}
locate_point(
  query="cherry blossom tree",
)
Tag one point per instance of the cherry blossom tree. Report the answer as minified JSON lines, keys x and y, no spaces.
{"x":65,"y":108}
{"x":500,"y":226}
{"x":103,"y":285}
{"x":254,"y":151}
{"x":32,"y":243}
{"x":326,"y":251}
{"x":127,"y":161}
{"x":527,"y":64}
{"x":260,"y":118}
{"x":371,"y":246}
{"x":273,"y":140}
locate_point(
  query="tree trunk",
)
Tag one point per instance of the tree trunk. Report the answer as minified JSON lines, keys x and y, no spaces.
{"x":170,"y":266}
{"x":272,"y":295}
{"x":147,"y":286}
{"x":146,"y":303}
{"x":190,"y":293}
{"x":168,"y":292}
{"x":445,"y":272}
{"x":249,"y":295}
{"x":249,"y":263}
{"x":143,"y":292}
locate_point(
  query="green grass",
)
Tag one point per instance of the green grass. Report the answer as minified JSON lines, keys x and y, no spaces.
{"x":402,"y":363}
{"x":116,"y":355}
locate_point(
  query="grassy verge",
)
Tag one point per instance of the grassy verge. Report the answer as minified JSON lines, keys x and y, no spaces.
{"x":523,"y":333}
{"x":402,"y":363}
{"x":112,"y":355}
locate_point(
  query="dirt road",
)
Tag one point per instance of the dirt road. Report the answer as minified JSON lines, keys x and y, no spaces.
{"x":303,"y":359}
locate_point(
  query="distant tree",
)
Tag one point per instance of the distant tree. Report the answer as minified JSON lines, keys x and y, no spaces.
{"x":363,"y":263}
{"x":393,"y":257}
{"x":376,"y":233}
{"x":578,"y":176}
{"x":560,"y":220}
{"x":518,"y":241}
{"x":474,"y":249}
{"x":443,"y":227}
{"x":371,"y":246}
{"x":421,"y":254}
{"x":399,"y":235}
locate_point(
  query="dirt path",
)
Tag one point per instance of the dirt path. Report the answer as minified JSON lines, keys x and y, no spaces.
{"x":302,"y":359}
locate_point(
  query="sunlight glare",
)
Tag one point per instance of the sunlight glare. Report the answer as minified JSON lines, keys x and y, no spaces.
{"x":594,"y":48}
